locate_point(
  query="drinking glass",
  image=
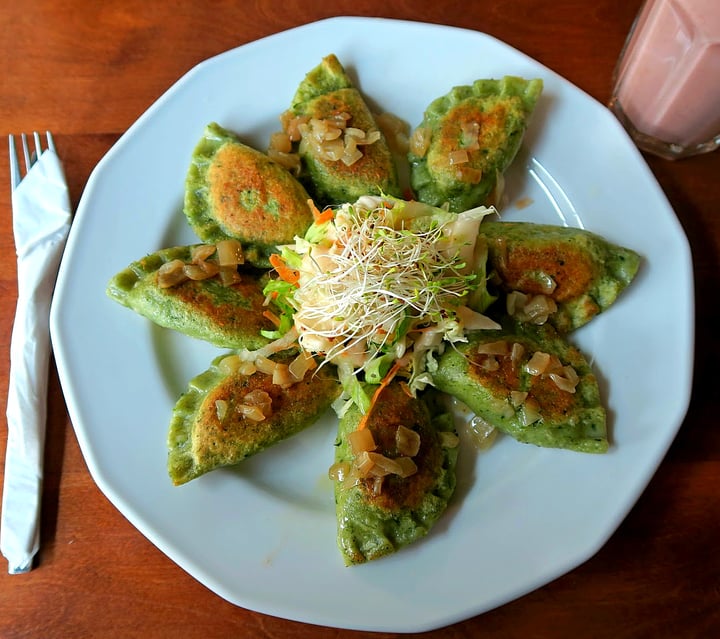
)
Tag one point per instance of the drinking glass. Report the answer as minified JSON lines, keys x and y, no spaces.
{"x":667,"y":81}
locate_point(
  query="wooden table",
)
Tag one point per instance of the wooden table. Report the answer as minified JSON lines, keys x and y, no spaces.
{"x":86,"y":70}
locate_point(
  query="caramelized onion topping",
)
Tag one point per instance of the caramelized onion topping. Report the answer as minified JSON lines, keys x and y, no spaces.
{"x":532,"y":308}
{"x":361,"y":441}
{"x":482,"y":433}
{"x":256,"y":405}
{"x":206,"y":261}
{"x":420,"y":141}
{"x":331,"y":138}
{"x":407,"y":441}
{"x":171,"y":273}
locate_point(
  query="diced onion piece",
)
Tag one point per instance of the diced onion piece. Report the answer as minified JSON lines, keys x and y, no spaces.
{"x":458,"y":157}
{"x":539,"y":308}
{"x":470,"y":136}
{"x":530,"y":412}
{"x":372,"y":137}
{"x":291,"y":124}
{"x":258,"y":399}
{"x":210,"y":268}
{"x":500,"y":347}
{"x":531,"y":308}
{"x":171,"y":273}
{"x":449,"y":439}
{"x":407,"y":466}
{"x":482,"y":433}
{"x":538,"y":363}
{"x":332,"y":150}
{"x":230,"y":252}
{"x":280,"y":141}
{"x":202,"y":252}
{"x":328,"y":131}
{"x":323,"y":130}
{"x":253,"y":413}
{"x":517,"y":398}
{"x":515,"y":302}
{"x":516,"y":353}
{"x":247,"y":368}
{"x":490,"y":363}
{"x":547,"y":283}
{"x":221,"y":408}
{"x":355,"y":132}
{"x":420,"y":141}
{"x":377,"y":485}
{"x":554,"y":365}
{"x":339,"y":471}
{"x":567,"y":381}
{"x":468,"y":174}
{"x":195,"y":272}
{"x":361,"y":441}
{"x":364,"y":464}
{"x":571,"y":374}
{"x":229,"y":275}
{"x":384,"y":465}
{"x":350,"y":156}
{"x":407,"y":441}
{"x":340,"y":119}
{"x":281,"y":376}
{"x":230,"y":364}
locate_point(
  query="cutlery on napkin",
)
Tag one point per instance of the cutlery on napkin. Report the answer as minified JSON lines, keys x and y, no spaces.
{"x":41,"y":221}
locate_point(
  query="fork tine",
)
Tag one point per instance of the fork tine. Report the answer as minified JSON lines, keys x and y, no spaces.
{"x":26,"y":152}
{"x":14,"y":168}
{"x":50,"y":141}
{"x":38,"y":146}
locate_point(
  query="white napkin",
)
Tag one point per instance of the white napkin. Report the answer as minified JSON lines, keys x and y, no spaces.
{"x":41,"y":221}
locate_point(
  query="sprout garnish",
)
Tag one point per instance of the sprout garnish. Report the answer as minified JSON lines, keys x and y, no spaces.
{"x":383,"y":282}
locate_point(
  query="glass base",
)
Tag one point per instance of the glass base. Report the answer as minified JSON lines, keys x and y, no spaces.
{"x":666,"y":150}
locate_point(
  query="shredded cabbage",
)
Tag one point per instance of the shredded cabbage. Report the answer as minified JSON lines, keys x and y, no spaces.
{"x":384,"y":282}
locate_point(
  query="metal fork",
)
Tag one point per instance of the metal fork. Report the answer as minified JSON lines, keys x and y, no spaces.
{"x":30,"y":158}
{"x":41,"y":219}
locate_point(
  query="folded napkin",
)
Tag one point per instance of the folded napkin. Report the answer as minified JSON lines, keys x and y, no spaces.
{"x":41,"y":221}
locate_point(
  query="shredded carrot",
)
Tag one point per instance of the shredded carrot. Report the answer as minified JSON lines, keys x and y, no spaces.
{"x":383,"y":384}
{"x":283,"y":270}
{"x":320,"y":217}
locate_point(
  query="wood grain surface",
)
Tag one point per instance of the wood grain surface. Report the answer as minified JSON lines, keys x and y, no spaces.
{"x":86,"y":70}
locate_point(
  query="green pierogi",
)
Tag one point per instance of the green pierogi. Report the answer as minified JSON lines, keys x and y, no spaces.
{"x":377,"y":513}
{"x":580,"y":271}
{"x":343,"y":152}
{"x":467,"y":139}
{"x":216,"y":422}
{"x":235,"y":191}
{"x":529,"y":382}
{"x":226,"y":315}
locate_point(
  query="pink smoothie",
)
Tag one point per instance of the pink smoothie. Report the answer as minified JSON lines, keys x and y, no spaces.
{"x":669,"y":79}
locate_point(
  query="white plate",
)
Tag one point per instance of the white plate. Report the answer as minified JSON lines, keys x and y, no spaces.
{"x":263,"y":536}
